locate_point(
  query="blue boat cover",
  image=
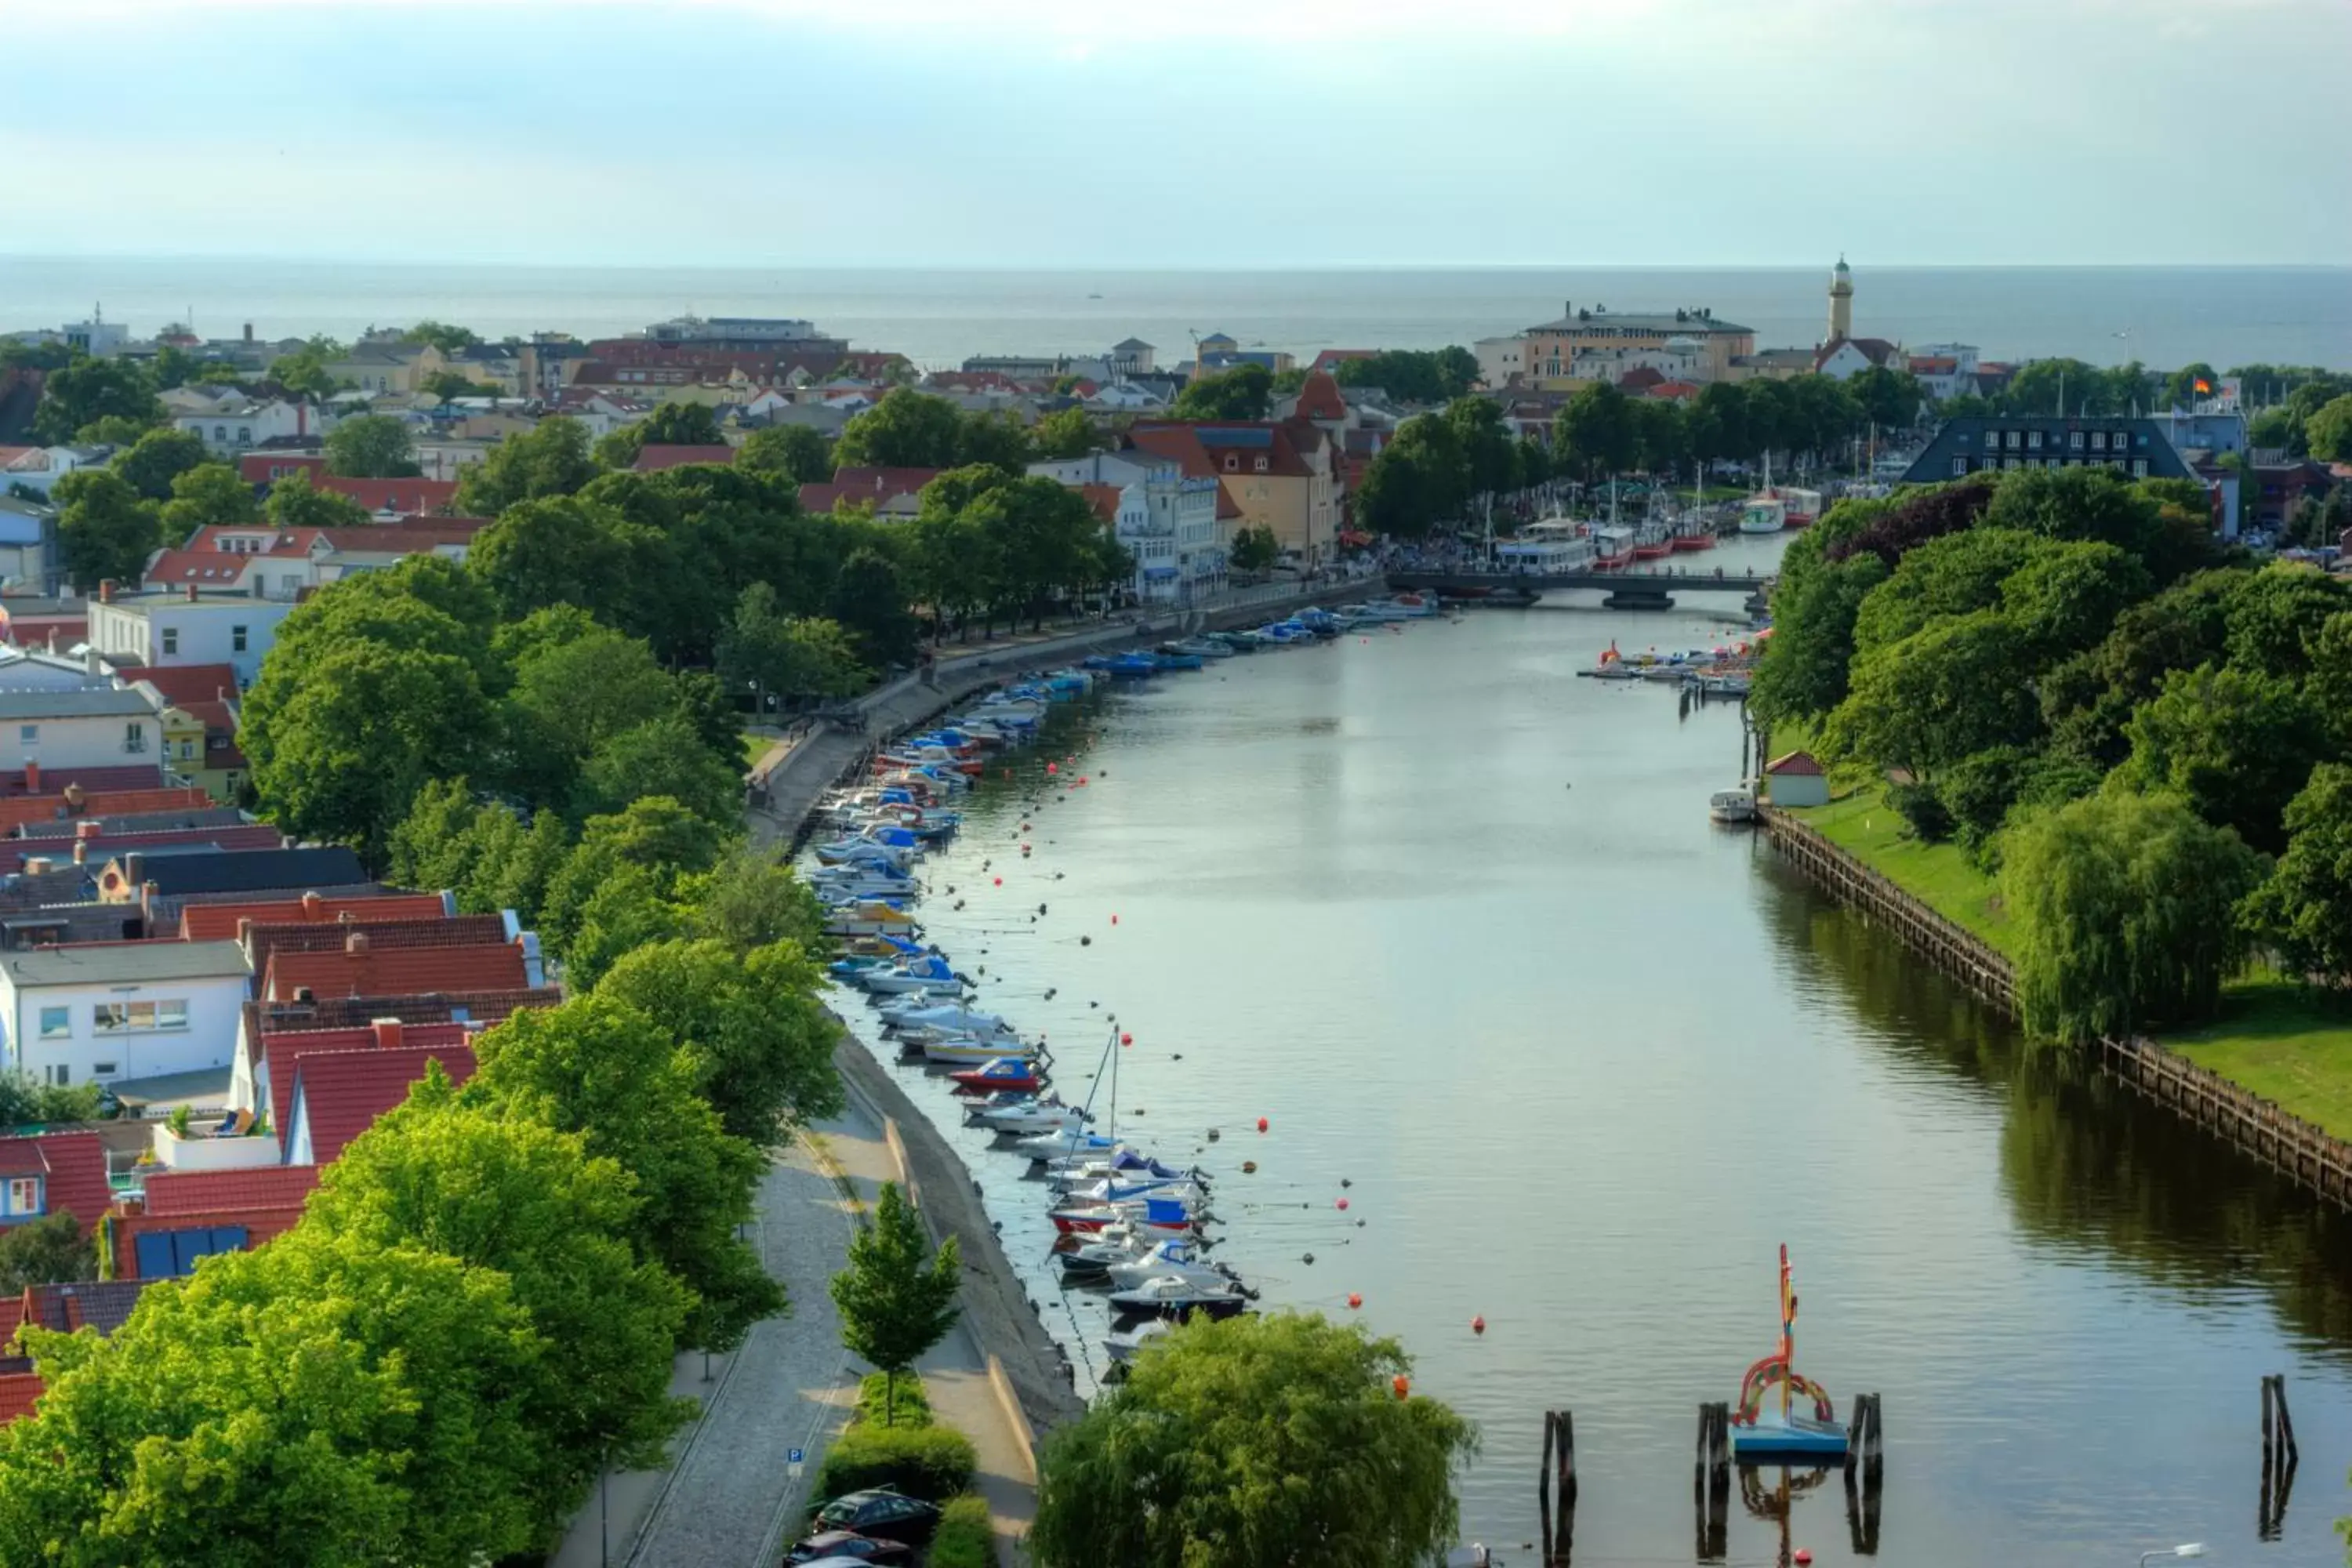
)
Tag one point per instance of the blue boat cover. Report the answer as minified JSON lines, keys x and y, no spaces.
{"x":1164,"y":1211}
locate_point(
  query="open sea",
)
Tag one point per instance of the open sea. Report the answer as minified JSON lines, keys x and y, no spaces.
{"x":2163,"y":316}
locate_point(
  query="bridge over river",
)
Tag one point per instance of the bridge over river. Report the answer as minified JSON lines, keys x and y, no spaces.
{"x":1629,"y":588}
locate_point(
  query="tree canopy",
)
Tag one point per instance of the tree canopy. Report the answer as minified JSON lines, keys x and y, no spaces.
{"x":551,"y":458}
{"x":105,"y":532}
{"x":896,"y":1298}
{"x":1245,"y":392}
{"x":372,"y":446}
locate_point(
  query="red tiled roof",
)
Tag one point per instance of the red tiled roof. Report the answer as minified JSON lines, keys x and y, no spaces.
{"x":436,"y":929}
{"x":1181,"y":445}
{"x":182,"y":1193}
{"x":12,"y":1313}
{"x":1934,"y":364}
{"x":880,"y":486}
{"x":56,"y":780}
{"x":186,"y":683}
{"x":654,"y":458}
{"x":254,"y":467}
{"x":1103,"y":500}
{"x":1678,"y":391}
{"x":1641,"y":376}
{"x":283,"y":1050}
{"x":18,"y":1392}
{"x":177,"y":568}
{"x":49,"y":807}
{"x":412,"y":534}
{"x":342,"y":1092}
{"x":482,"y":1008}
{"x":391,"y":495}
{"x":1319,"y":396}
{"x":398,"y":972}
{"x":73,"y":1165}
{"x":218,"y":923}
{"x":1794,"y":763}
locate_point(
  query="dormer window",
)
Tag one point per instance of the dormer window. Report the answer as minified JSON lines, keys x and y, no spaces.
{"x":23,"y":1196}
{"x":1261,"y":465}
{"x":1233,"y":464}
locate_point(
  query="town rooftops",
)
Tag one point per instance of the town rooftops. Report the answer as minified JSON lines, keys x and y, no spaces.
{"x":251,"y":871}
{"x":1644,"y":323}
{"x":1795,"y":764}
{"x":191,"y":682}
{"x":359,"y":970}
{"x":100,"y":1304}
{"x":436,"y":929}
{"x":124,"y":963}
{"x":338,"y":1095}
{"x":391,"y":495}
{"x":210,"y":921}
{"x":87,"y":702}
{"x":286,"y":1049}
{"x":1128,"y":346}
{"x":1877,"y":350}
{"x":71,"y":1167}
{"x":483,"y":1007}
{"x":111,"y":825}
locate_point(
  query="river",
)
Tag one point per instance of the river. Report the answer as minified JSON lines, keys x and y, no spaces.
{"x":1455,"y":921}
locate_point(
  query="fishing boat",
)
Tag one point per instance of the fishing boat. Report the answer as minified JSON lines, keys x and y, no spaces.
{"x":1769,"y":1431}
{"x":1691,"y":531}
{"x":1653,"y":542}
{"x":1612,"y":545}
{"x":1170,"y":1295}
{"x":1001,"y":1073}
{"x":1732,"y":807}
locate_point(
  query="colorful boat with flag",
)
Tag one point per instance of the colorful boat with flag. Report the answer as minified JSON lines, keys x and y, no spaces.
{"x":1766,"y":1430}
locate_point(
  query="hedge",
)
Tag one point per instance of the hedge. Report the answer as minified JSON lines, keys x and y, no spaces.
{"x":933,"y":1463}
{"x":966,"y":1538}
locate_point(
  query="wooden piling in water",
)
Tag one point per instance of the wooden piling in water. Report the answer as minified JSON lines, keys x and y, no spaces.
{"x":2280,"y":1457}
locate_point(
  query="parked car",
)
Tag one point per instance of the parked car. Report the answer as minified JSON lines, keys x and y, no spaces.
{"x":880,"y":1513}
{"x":831,"y":1547}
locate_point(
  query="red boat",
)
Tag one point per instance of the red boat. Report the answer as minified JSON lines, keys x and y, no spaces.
{"x":1004,"y":1072}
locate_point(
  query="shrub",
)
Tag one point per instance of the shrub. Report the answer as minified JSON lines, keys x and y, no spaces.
{"x":1922,"y":809}
{"x":933,"y":1463}
{"x":965,"y":1538}
{"x":910,"y":1407}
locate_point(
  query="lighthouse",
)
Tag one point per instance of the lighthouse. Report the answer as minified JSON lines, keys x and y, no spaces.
{"x":1841,"y":303}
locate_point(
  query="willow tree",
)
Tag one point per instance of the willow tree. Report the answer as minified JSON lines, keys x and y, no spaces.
{"x":1251,"y":1444}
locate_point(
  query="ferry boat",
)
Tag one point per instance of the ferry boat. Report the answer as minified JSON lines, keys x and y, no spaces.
{"x":1803,"y":508}
{"x":1546,"y":549}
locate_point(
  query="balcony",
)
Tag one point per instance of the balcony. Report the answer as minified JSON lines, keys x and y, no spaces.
{"x":220,"y":1146}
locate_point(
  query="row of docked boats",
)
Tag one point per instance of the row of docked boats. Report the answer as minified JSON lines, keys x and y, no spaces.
{"x":1725,"y":670}
{"x":1129,"y":1225}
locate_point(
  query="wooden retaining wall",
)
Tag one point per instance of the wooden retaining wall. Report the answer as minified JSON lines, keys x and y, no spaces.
{"x":2311,"y":1158}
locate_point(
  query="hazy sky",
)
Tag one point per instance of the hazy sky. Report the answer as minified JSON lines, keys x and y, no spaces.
{"x":1219,"y":132}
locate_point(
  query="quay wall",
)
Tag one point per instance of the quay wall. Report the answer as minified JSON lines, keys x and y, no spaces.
{"x":2259,"y":1128}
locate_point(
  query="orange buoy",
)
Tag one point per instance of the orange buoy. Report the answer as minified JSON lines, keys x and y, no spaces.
{"x":1401,"y":1384}
{"x":1354,"y":1300}
{"x":1477,"y":1325}
{"x":1261,"y":1123}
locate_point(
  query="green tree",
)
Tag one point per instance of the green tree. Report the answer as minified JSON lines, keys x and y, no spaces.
{"x":1719,"y":423}
{"x":157,"y":458}
{"x":2128,"y":908}
{"x":997,"y":439}
{"x":372,"y":446}
{"x":1489,"y":464}
{"x":1254,"y":550}
{"x":574,"y":692}
{"x":1253,"y":1444}
{"x":599,"y":1067}
{"x":449,"y":340}
{"x":51,"y":1250}
{"x":207,"y":494}
{"x":2038,"y":387}
{"x":294,"y":503}
{"x":794,"y":451}
{"x":908,"y":429}
{"x":753,"y":900}
{"x":778,"y":655}
{"x":2181,"y":387}
{"x":1245,"y":392}
{"x":2065,"y":598}
{"x":550,"y":459}
{"x":758,"y":1041}
{"x":26,"y":1102}
{"x":1950,"y":575}
{"x":1595,"y":431}
{"x":2304,"y":911}
{"x":1412,"y":376}
{"x":652,"y":833}
{"x":2275,"y":613}
{"x":1419,"y":480}
{"x":1066,"y":433}
{"x":869,"y":602}
{"x":671,"y":425}
{"x":303,"y":373}
{"x":896,"y":1298}
{"x":2328,"y":432}
{"x":448,"y":385}
{"x":2088,"y":699}
{"x":2235,"y":745}
{"x":1890,"y":399}
{"x":87,"y":391}
{"x":105,"y":532}
{"x":1958,"y":686}
{"x":1804,"y":671}
{"x":663,"y":756}
{"x":560,"y":550}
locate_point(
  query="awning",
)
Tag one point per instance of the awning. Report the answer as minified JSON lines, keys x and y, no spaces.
{"x":1158,"y":574}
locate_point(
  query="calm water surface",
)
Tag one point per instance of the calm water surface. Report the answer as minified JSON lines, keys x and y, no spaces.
{"x":1455,"y":922}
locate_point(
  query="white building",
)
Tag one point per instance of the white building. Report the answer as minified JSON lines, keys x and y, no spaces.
{"x":1944,"y":371}
{"x":187,"y":625}
{"x":38,"y":469}
{"x":1501,"y":360}
{"x":231,"y":428}
{"x":1167,"y":522}
{"x":95,"y":723}
{"x":1677,"y":359}
{"x":117,"y":1012}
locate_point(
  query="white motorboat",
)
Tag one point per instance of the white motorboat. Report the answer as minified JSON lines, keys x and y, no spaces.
{"x":1125,"y":1344}
{"x":929,"y":974}
{"x":1172,"y":1296}
{"x":1111,"y":1191}
{"x":1030,"y":1121}
{"x":978,"y":1052}
{"x":943,"y":1019}
{"x":1734,"y":808}
{"x":1170,"y":1259}
{"x":1071,"y":1141}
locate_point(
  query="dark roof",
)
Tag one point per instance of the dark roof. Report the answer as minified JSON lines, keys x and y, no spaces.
{"x":125,"y":963}
{"x":253,"y":871}
{"x":100,"y":1304}
{"x":1964,"y":440}
{"x":112,"y":827}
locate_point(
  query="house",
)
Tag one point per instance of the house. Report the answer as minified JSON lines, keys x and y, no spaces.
{"x":1796,"y":779}
{"x":209,"y":922}
{"x":180,"y":1216}
{"x":389,"y":499}
{"x":189,"y":624}
{"x":384,"y":364}
{"x":1279,"y":474}
{"x":90,"y":845}
{"x":49,"y":1174}
{"x":652,"y":459}
{"x":1125,"y":397}
{"x":1128,"y":356}
{"x":1944,"y":371}
{"x":38,"y":469}
{"x":117,"y":1013}
{"x":1551,"y":348}
{"x":381,"y":933}
{"x":1772,"y":364}
{"x":230,"y":429}
{"x":335,"y":1096}
{"x":162,"y":884}
{"x":357,"y":968}
{"x":1502,"y":362}
{"x":895,"y":494}
{"x":2139,"y":447}
{"x":264,"y":562}
{"x":1842,"y":359}
{"x":102,"y":723}
{"x":207,"y":695}
{"x":1166,"y":518}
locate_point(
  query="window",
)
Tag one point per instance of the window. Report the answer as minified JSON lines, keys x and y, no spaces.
{"x":61,"y":1075}
{"x":244,"y":434}
{"x":220,"y":434}
{"x":171,"y":639}
{"x":2074,"y":439}
{"x":28,"y":734}
{"x":135,"y":1017}
{"x":2098,"y":440}
{"x":236,"y":639}
{"x":1261,"y":465}
{"x":2139,"y":468}
{"x":24,"y":1194}
{"x":2011,"y":441}
{"x":55,"y":1021}
{"x":1959,"y":465}
{"x":103,"y":1070}
{"x":2033,"y":441}
{"x":135,"y":736}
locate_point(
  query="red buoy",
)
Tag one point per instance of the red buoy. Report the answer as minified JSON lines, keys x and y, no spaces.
{"x":1801,"y":1558}
{"x":1000,"y":881}
{"x":1354,"y":1300}
{"x":1125,"y":1039}
{"x":1261,"y":1123}
{"x":1477,"y":1325}
{"x":1114,"y":920}
{"x":1343,"y":1205}
{"x":1052,"y":767}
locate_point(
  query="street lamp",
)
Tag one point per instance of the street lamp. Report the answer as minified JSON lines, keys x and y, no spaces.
{"x":2190,"y":1549}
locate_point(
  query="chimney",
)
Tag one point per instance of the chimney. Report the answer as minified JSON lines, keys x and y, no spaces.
{"x":192,"y":593}
{"x":73,"y":799}
{"x":38,"y":864}
{"x":387,"y":1033}
{"x":248,"y":332}
{"x":302,"y":993}
{"x":355,"y":943}
{"x":32,"y":778}
{"x":81,"y":852}
{"x":106,"y":590}
{"x":88,"y":829}
{"x":311,"y":904}
{"x":92,"y":665}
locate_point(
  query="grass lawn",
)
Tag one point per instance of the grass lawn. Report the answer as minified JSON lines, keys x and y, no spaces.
{"x":755,"y":747}
{"x":2285,"y":1044}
